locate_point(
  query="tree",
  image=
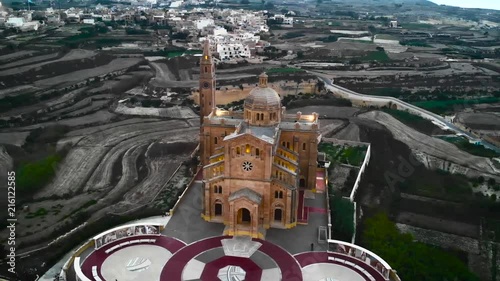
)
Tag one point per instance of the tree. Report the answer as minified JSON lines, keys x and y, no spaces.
{"x":412,"y":260}
{"x":491,"y":181}
{"x":480,"y":179}
{"x":342,"y":212}
{"x":372,"y":29}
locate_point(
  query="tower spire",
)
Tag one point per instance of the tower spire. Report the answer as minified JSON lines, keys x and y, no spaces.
{"x":206,"y":50}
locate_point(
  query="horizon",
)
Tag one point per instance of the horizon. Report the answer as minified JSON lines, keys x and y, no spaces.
{"x":481,"y":4}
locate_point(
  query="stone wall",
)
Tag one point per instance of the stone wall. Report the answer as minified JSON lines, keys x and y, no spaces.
{"x":228,"y":94}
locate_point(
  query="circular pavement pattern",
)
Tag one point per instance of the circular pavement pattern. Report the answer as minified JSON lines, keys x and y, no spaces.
{"x":131,"y":261}
{"x":266,"y":262}
{"x":219,"y":258}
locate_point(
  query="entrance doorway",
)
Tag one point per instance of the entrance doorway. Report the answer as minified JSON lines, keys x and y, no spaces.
{"x":278,"y":215}
{"x":218,"y":209}
{"x":244,"y":216}
{"x":302,"y":182}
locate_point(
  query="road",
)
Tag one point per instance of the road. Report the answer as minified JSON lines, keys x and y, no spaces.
{"x":351,"y":95}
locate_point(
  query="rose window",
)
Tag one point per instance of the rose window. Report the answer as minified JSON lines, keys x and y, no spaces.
{"x":247,"y":166}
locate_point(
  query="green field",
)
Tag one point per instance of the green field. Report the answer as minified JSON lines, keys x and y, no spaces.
{"x":386,"y":37}
{"x":474,"y":149}
{"x":33,"y":176}
{"x":418,"y":26}
{"x":284,"y":70}
{"x":439,"y":184}
{"x":412,"y":260}
{"x":379,"y":56}
{"x":415,"y":43}
{"x":414,"y":121}
{"x":444,"y":106}
{"x":351,"y":155}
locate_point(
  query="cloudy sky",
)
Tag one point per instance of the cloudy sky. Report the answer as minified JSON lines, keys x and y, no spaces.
{"x":486,"y":4}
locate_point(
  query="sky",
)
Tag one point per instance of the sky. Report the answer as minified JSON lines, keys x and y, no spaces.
{"x":485,"y":4}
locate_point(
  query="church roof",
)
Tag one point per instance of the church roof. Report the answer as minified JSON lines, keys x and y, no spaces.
{"x":247,"y":193}
{"x":263,"y":97}
{"x":266,"y":134}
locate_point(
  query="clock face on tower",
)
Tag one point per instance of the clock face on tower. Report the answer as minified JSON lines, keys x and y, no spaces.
{"x":247,"y":166}
{"x":206,"y":85}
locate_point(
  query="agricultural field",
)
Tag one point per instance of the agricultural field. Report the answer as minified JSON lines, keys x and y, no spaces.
{"x":447,"y":106}
{"x":474,"y":149}
{"x":344,"y":154}
{"x":416,"y":122}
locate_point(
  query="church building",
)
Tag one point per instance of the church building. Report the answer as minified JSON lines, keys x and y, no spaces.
{"x":256,"y":161}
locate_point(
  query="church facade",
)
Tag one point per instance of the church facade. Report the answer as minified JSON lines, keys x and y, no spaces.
{"x":256,"y":161}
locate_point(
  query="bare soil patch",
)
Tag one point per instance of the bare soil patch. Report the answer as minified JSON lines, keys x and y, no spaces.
{"x":479,"y":121}
{"x":81,"y":75}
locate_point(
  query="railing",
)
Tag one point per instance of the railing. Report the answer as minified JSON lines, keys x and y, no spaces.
{"x":78,"y":271}
{"x":360,"y":174}
{"x":172,"y":211}
{"x":364,"y":255}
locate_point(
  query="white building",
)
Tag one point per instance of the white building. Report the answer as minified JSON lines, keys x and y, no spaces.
{"x":219,"y":31}
{"x":54,"y":18}
{"x":393,"y":24}
{"x":176,"y":4}
{"x":228,"y":51}
{"x":202,"y":23}
{"x":15,"y":22}
{"x":89,"y":21}
{"x":288,"y":21}
{"x":107,"y":18}
{"x":30,"y":26}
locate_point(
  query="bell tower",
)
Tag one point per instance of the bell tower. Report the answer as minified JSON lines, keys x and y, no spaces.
{"x":207,"y":82}
{"x":207,"y":98}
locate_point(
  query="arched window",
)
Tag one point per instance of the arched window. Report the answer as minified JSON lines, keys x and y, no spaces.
{"x":258,"y":116}
{"x":220,"y":189}
{"x":238,"y":150}
{"x":304,"y":146}
{"x":215,"y":189}
{"x":262,"y":116}
{"x":278,"y":194}
{"x":247,"y":149}
{"x":215,"y":140}
{"x":257,"y":152}
{"x":288,"y":144}
{"x":206,"y":69}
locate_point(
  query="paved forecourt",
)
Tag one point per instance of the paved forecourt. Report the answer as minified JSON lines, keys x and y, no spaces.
{"x":222,"y":258}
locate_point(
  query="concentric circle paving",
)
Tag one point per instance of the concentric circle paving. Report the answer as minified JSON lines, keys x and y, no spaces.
{"x":204,"y":259}
{"x":222,"y":258}
{"x":319,"y":266}
{"x":140,"y":261}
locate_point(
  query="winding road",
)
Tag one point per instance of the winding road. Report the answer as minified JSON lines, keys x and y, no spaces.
{"x":381,"y":100}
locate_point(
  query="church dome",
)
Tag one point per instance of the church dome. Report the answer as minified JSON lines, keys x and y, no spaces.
{"x":263,"y":97}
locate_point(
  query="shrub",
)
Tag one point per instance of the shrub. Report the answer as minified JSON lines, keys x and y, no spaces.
{"x":342,"y":212}
{"x":412,"y":260}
